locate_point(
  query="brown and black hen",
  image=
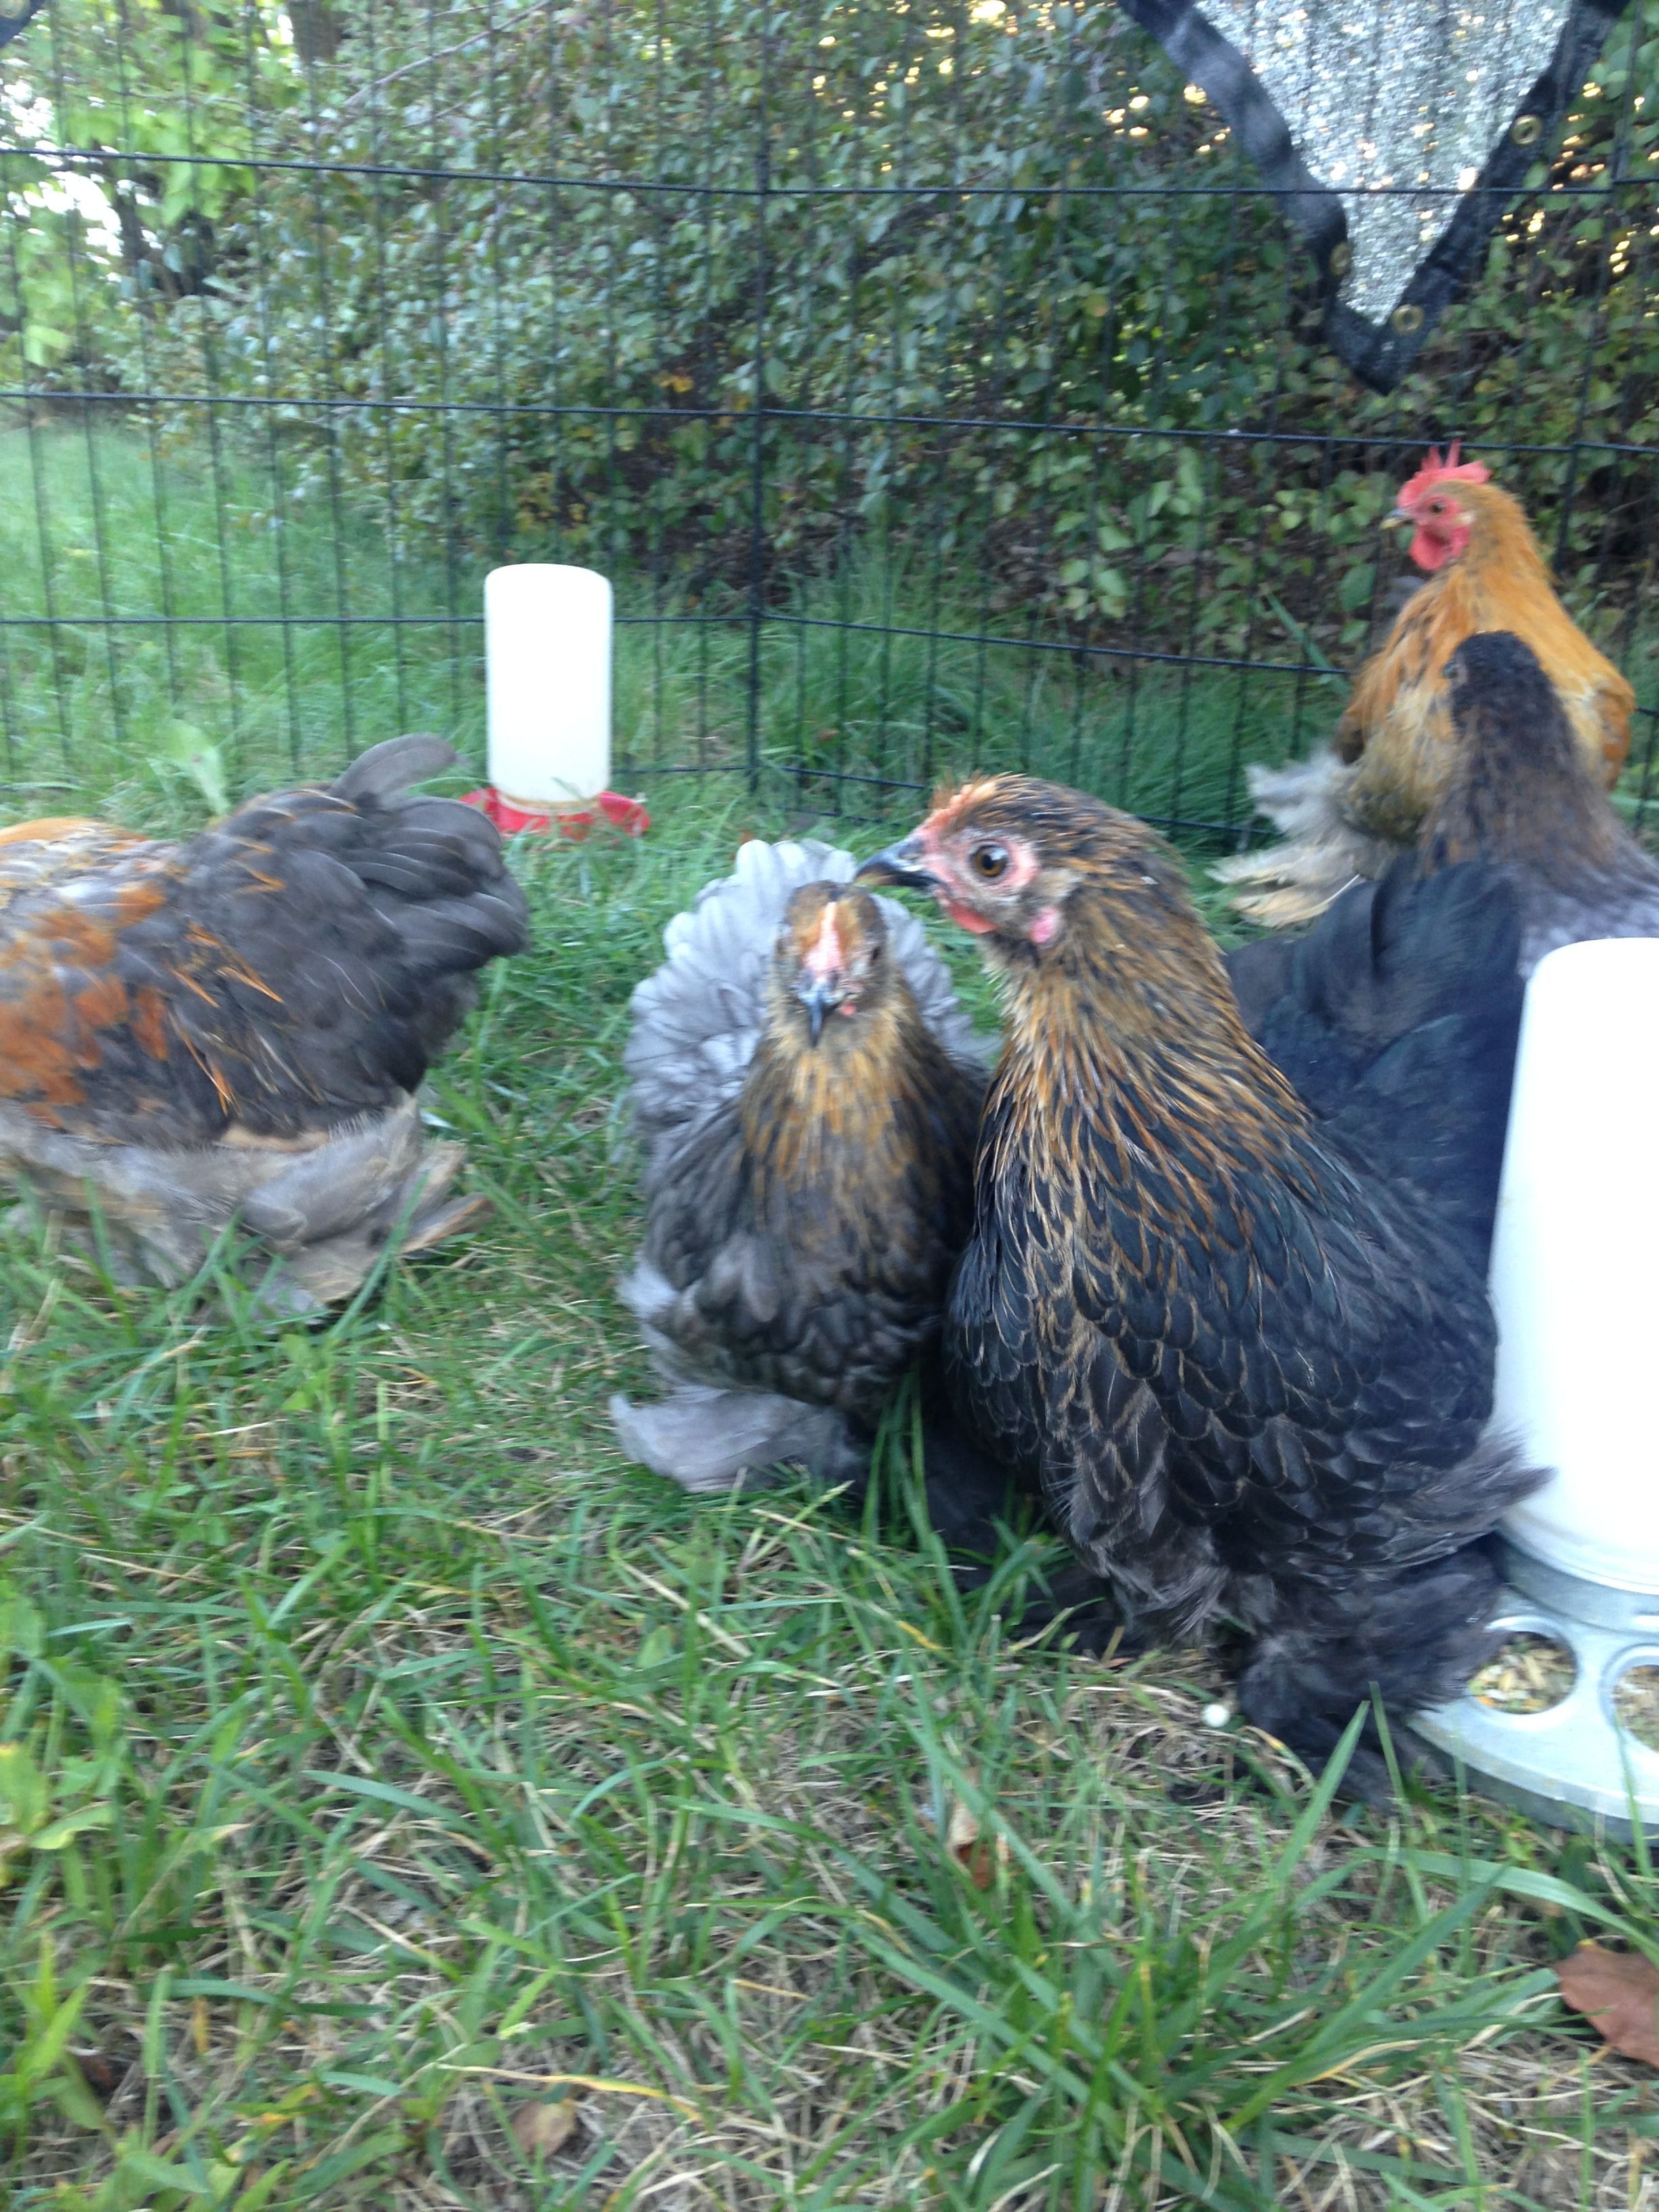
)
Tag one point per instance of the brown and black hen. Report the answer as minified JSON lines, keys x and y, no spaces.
{"x":1238,"y":1330}
{"x":233,"y":1028}
{"x":807,"y":1091}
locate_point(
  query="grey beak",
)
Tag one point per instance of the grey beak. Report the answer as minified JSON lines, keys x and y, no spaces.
{"x":819,"y":999}
{"x":902,"y":864}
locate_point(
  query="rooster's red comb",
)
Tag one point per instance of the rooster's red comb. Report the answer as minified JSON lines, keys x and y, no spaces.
{"x":1434,"y":469}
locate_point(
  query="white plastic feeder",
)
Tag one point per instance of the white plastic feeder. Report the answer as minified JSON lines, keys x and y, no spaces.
{"x":547,"y":651}
{"x":1575,"y":1283}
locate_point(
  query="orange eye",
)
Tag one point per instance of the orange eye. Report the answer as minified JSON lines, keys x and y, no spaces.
{"x":989,"y":861}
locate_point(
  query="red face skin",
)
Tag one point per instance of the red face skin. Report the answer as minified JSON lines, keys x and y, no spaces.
{"x":985,"y":902}
{"x":826,"y":962}
{"x":1441,"y":528}
{"x":948,"y":857}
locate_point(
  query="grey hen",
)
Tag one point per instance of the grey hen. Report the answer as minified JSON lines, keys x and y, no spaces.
{"x":807,"y":1091}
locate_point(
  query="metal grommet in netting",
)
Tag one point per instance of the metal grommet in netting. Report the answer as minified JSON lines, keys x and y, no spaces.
{"x":1527,"y":130}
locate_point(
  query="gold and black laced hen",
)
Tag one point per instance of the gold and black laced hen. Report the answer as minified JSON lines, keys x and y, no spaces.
{"x":1230,"y":1311}
{"x":807,"y":1091}
{"x":233,"y":1027}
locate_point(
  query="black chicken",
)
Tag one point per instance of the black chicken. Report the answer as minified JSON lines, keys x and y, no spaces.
{"x":1230,"y":1311}
{"x":807,"y":1091}
{"x":1523,"y":797}
{"x":233,"y":1028}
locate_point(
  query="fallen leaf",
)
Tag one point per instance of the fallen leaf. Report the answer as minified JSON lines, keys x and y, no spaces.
{"x":1618,"y":1992}
{"x":970,"y":1851}
{"x":103,"y":2074}
{"x":200,"y":2034}
{"x":545,"y":2126}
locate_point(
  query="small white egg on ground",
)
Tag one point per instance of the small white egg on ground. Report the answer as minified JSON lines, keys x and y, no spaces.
{"x":1217,"y":1716}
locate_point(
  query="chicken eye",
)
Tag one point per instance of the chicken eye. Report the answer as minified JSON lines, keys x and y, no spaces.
{"x":989,"y":861}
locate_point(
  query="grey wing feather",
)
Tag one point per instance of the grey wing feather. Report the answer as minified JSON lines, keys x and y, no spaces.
{"x":1323,"y":853}
{"x":390,"y":767}
{"x":697,"y":1020}
{"x":705,"y":1438}
{"x":326,"y":1212}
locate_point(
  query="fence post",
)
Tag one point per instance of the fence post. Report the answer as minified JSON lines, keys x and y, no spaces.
{"x":757,"y":466}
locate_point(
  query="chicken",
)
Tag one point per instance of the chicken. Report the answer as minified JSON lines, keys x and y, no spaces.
{"x":233,"y":1028}
{"x":807,"y":1091}
{"x":1351,"y":810}
{"x":1230,"y":1311}
{"x":1522,"y":796}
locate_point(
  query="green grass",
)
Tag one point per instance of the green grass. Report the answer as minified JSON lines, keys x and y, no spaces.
{"x":382,"y":1755}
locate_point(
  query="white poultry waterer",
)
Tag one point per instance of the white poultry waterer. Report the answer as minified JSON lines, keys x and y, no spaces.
{"x":547,"y":656}
{"x":1575,"y":1284}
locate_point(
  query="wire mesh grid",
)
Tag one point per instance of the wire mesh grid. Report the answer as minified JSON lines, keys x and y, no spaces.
{"x":937,"y":384}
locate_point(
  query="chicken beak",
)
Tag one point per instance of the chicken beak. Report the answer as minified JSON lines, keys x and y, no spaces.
{"x":820,"y":997}
{"x":1392,"y":521}
{"x":904,"y":865}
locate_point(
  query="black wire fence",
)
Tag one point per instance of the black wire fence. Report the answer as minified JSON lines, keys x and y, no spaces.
{"x":937,"y":383}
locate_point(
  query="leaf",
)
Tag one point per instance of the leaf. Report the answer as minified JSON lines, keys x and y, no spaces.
{"x":22,"y":1787}
{"x":159,"y":2173}
{"x":75,"y":2102}
{"x":43,"y":344}
{"x":53,"y":1836}
{"x":43,"y":2048}
{"x":544,"y":2126}
{"x":1618,"y":1992}
{"x":22,"y":1629}
{"x":1355,"y":587}
{"x":184,"y":746}
{"x":259,"y":2191}
{"x":970,"y":1851}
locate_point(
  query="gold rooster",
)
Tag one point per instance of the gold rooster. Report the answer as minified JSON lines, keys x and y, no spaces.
{"x":1349,"y":809}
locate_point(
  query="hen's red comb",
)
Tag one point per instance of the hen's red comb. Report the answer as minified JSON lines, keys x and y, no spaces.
{"x":1434,"y":469}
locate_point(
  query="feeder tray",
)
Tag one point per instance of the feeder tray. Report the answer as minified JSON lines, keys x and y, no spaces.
{"x":1575,"y":1297}
{"x":1575,"y":1764}
{"x":575,"y":821}
{"x":1577,"y":1306}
